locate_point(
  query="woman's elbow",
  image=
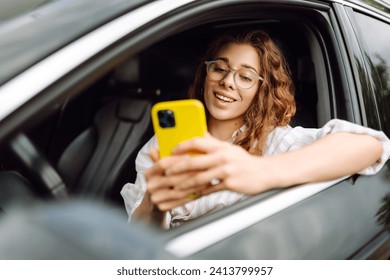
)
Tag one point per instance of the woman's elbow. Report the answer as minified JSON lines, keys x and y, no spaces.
{"x":374,"y":147}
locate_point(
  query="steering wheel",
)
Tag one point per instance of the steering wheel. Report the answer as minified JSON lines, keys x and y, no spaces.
{"x":40,"y":168}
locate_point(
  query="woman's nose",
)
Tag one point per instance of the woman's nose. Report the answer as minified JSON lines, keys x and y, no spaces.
{"x":228,"y":80}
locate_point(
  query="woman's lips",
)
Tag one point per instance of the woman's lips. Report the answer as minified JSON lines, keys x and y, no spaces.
{"x":224,"y":98}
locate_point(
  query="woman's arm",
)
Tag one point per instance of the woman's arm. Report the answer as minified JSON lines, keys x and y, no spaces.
{"x":331,"y":157}
{"x":138,"y":201}
{"x":147,"y":211}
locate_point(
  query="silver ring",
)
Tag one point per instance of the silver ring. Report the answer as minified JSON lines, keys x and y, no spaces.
{"x":215,"y":181}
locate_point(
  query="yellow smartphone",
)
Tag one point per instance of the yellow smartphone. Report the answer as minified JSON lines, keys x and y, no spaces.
{"x":177,"y":121}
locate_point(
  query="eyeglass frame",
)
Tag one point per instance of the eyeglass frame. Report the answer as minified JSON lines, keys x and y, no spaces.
{"x":209,"y":62}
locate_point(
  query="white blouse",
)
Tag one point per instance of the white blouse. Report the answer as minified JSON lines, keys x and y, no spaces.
{"x":280,"y":140}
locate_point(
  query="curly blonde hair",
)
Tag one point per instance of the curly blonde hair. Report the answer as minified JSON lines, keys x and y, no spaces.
{"x":274,"y":103}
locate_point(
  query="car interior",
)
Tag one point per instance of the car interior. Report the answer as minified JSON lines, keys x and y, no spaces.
{"x":88,"y":146}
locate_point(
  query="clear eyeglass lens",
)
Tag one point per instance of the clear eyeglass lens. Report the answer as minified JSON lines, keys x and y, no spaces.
{"x":244,"y":78}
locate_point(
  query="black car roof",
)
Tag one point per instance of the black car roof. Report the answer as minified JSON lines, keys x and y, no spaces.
{"x":29,"y":32}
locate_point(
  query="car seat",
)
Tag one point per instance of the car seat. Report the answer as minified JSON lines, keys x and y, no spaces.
{"x":101,"y":159}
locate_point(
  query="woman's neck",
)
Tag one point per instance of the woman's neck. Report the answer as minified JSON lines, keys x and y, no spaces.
{"x":223,"y":129}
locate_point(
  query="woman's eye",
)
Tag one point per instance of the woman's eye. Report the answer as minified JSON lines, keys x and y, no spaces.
{"x":245,"y":78}
{"x":219,"y":69}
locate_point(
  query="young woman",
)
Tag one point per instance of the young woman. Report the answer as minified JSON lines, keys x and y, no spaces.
{"x":248,"y":94}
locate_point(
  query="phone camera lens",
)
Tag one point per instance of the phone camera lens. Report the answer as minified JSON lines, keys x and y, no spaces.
{"x":166,"y":118}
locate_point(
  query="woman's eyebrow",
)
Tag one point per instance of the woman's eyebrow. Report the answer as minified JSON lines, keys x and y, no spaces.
{"x":248,"y":66}
{"x":225,"y":59}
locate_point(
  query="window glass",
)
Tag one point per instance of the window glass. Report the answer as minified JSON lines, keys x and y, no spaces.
{"x":376,"y":34}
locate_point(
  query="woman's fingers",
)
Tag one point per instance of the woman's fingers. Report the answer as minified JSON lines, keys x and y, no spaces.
{"x":205,"y":178}
{"x":169,"y":198}
{"x":212,"y":189}
{"x":199,"y":145}
{"x":194,"y":163}
{"x":174,"y":194}
{"x":159,"y":182}
{"x":168,"y":205}
{"x":161,"y":165}
{"x":154,"y":154}
{"x":163,"y":188}
{"x":180,"y":178}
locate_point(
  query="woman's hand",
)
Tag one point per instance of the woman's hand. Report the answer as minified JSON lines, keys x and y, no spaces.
{"x":164,"y":190}
{"x":234,"y":167}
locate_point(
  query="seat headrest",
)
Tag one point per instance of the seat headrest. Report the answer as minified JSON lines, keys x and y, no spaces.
{"x":132,"y":110}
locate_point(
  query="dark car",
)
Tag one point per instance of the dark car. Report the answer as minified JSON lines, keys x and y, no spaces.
{"x":78,"y":79}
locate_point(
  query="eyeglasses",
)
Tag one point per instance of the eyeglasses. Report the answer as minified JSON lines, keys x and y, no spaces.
{"x":244,"y":78}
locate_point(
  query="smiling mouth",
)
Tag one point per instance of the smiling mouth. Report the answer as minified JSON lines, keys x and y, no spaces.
{"x":224,"y":98}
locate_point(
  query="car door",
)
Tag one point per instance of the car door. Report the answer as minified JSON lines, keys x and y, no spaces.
{"x":338,"y":221}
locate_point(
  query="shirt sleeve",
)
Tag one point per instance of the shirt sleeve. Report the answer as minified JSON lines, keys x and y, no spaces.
{"x":294,"y":138}
{"x":133,"y":193}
